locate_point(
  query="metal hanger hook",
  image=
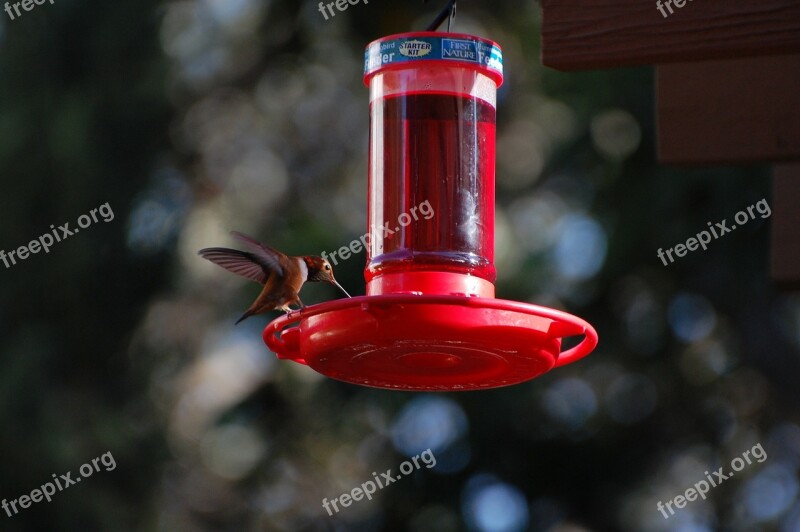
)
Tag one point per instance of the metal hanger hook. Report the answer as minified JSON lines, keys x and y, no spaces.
{"x":449,"y":13}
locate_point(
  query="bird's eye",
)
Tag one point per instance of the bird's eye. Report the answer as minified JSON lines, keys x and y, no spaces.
{"x":328,"y":267}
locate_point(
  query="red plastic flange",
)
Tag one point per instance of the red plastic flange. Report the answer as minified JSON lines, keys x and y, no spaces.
{"x":429,"y":342}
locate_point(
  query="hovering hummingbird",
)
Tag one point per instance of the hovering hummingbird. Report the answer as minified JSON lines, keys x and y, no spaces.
{"x":282,"y":276}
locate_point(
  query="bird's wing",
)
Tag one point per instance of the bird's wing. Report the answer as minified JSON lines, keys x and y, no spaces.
{"x":266,"y":254}
{"x":239,"y":262}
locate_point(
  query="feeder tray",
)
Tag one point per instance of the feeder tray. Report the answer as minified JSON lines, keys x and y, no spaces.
{"x":429,"y":343}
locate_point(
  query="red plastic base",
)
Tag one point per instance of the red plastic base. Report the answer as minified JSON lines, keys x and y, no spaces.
{"x":433,"y":343}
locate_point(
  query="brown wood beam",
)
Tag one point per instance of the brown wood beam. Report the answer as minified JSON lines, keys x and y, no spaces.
{"x":733,"y":111}
{"x":785,"y":264}
{"x":592,"y":34}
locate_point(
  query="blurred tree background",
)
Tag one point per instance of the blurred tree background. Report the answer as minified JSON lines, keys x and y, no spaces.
{"x":195,"y":117}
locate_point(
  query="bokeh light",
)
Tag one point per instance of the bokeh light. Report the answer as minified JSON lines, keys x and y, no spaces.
{"x":490,"y":505}
{"x":428,"y":422}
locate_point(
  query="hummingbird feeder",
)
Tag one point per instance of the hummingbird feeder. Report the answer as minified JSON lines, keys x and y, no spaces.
{"x":430,"y":320}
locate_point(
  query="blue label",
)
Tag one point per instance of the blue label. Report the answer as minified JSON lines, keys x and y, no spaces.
{"x":407,"y":49}
{"x":460,"y":49}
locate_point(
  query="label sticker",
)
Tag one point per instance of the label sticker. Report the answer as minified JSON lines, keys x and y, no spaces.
{"x":407,"y":49}
{"x":415,"y":48}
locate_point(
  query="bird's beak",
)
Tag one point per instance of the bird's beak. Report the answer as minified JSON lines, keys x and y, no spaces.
{"x":337,"y":285}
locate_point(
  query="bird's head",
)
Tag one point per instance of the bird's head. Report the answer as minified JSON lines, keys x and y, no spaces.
{"x":319,"y":269}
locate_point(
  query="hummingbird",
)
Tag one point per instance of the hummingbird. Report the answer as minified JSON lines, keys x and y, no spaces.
{"x":281,"y":275}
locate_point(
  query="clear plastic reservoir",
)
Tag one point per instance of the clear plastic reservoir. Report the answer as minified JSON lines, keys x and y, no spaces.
{"x":432,"y":155}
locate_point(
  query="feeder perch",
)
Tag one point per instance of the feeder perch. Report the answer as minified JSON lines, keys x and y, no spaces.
{"x":430,"y":320}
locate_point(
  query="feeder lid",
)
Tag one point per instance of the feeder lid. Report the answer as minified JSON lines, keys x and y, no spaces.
{"x":429,"y":342}
{"x":404,"y":49}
